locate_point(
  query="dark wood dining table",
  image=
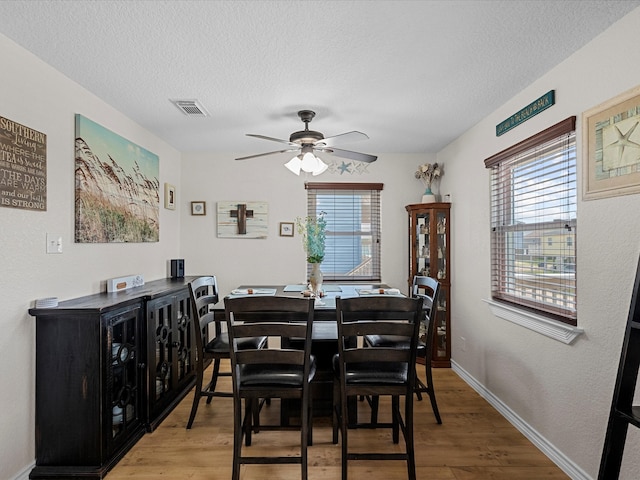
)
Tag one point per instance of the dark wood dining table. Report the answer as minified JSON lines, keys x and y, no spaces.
{"x":325,"y":337}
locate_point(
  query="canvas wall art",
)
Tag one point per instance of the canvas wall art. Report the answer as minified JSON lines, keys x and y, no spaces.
{"x":117,"y":187}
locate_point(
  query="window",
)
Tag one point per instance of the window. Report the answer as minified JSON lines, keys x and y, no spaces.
{"x":352,"y":244}
{"x":533,"y":197}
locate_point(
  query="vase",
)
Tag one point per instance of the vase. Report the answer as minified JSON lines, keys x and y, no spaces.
{"x":315,"y":279}
{"x":428,"y":196}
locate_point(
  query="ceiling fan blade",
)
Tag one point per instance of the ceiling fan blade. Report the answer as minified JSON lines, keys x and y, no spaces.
{"x":268,"y":153}
{"x":263,"y":137}
{"x":347,"y":137}
{"x":360,"y":157}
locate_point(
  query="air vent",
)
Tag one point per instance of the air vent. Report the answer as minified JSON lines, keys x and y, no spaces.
{"x":192,"y":108}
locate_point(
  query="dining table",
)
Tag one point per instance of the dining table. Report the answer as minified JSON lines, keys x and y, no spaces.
{"x":324,"y":336}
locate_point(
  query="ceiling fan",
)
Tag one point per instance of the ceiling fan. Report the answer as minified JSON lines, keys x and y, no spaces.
{"x":306,"y":142}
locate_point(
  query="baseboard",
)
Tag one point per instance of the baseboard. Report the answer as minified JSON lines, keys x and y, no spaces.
{"x":24,"y":474}
{"x":555,"y":455}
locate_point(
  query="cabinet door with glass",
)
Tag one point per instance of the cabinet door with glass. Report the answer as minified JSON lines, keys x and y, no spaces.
{"x":429,"y":233}
{"x":124,"y":376}
{"x":171,"y":353}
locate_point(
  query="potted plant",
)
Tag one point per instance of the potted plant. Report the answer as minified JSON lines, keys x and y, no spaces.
{"x":312,"y":230}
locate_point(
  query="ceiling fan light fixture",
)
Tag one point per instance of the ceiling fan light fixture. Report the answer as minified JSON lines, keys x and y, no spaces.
{"x":306,"y":162}
{"x":309,"y":162}
{"x":294,"y":165}
{"x":322,"y":167}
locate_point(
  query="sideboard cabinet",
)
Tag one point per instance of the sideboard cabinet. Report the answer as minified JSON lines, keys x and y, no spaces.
{"x":97,"y":384}
{"x":429,"y":234}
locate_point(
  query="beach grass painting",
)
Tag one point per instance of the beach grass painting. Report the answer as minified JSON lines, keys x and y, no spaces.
{"x":116,"y":187}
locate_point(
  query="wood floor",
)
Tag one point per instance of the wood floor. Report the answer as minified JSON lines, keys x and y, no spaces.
{"x":474,"y":442}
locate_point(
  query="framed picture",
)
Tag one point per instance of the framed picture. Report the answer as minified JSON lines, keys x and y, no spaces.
{"x":198,"y":208}
{"x":286,"y":229}
{"x":611,"y":145}
{"x":169,"y":196}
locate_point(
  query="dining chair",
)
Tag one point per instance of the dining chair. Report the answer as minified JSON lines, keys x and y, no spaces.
{"x":376,"y":371}
{"x":204,"y":293}
{"x":428,"y":289}
{"x":274,"y":372}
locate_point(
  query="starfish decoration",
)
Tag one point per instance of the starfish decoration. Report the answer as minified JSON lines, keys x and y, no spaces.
{"x":344,"y":168}
{"x":623,"y":141}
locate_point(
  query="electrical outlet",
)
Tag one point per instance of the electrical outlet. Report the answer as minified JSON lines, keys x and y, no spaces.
{"x":463,"y":344}
{"x":54,"y":243}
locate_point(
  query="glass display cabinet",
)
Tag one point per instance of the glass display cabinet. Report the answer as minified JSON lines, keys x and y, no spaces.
{"x":429,"y":232}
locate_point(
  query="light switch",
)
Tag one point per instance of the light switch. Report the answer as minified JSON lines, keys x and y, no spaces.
{"x":54,"y":243}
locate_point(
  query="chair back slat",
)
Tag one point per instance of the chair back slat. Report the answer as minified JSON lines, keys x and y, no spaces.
{"x":380,"y":327}
{"x":270,"y":356}
{"x":377,"y":354}
{"x":270,"y":329}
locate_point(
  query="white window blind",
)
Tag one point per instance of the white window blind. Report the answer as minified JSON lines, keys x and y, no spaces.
{"x":352,"y":244}
{"x":533,"y":223}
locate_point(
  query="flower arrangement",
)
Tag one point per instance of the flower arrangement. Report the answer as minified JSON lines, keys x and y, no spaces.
{"x":427,"y":173}
{"x":313,"y":234}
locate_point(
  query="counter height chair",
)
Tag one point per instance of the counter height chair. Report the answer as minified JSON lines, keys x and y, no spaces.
{"x":274,"y":372}
{"x":429,"y":290}
{"x":204,"y":294}
{"x":375,"y":371}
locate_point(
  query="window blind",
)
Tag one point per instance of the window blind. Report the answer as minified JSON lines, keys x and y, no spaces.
{"x":352,"y":244}
{"x":533,"y":223}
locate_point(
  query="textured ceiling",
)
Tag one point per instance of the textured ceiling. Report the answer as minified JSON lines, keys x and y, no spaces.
{"x":413,"y":75}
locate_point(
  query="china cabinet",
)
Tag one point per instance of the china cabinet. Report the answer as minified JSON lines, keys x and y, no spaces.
{"x":429,"y":233}
{"x":108,"y":366}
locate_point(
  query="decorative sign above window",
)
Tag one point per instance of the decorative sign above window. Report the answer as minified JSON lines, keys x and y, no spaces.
{"x":527,"y":112}
{"x":241,"y":219}
{"x":23,"y":166}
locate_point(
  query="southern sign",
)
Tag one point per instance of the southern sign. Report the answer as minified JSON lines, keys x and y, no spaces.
{"x":23,"y":166}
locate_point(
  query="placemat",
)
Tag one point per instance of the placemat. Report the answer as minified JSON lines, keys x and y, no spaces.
{"x":331,"y":288}
{"x":394,"y":292}
{"x":244,"y":292}
{"x":295,"y":288}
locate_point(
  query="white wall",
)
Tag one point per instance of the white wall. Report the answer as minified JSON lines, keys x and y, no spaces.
{"x":35,"y":95}
{"x":563,"y":392}
{"x":218,"y":177}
